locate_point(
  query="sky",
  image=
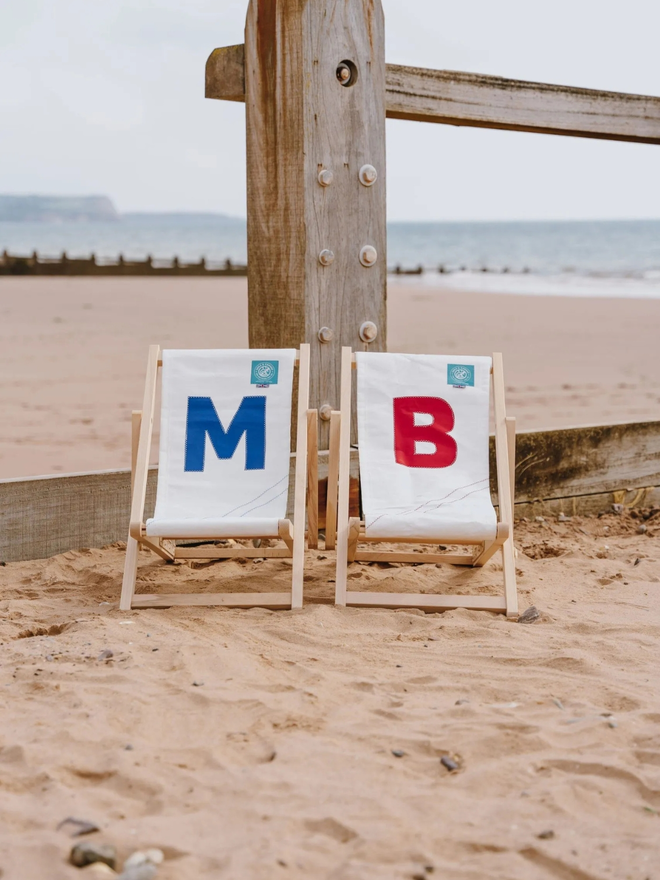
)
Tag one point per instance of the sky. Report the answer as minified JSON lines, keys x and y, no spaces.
{"x":108,"y":98}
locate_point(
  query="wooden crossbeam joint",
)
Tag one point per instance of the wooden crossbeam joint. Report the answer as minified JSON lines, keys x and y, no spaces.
{"x":470,"y":99}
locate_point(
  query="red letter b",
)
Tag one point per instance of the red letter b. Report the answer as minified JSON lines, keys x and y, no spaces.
{"x":407,"y":434}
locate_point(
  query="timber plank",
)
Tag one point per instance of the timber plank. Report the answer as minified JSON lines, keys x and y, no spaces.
{"x":584,"y":461}
{"x":479,"y":101}
{"x":576,"y":471}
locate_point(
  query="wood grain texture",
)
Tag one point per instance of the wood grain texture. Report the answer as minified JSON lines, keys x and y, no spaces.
{"x":583,"y":461}
{"x":225,"y":74}
{"x":229,"y":600}
{"x":312,"y":479}
{"x":573,"y":471}
{"x":480,"y":101}
{"x":301,"y":120}
{"x":426,"y":601}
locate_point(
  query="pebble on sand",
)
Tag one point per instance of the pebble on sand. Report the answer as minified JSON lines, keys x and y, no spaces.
{"x":398,"y":753}
{"x":449,"y":763}
{"x":98,"y":871}
{"x":87,"y":853}
{"x":145,"y":871}
{"x":153,"y":856}
{"x":106,"y":654}
{"x":530,"y":615}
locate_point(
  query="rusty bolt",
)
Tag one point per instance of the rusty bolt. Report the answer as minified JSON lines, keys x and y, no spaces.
{"x":325,"y":412}
{"x":368,"y":331}
{"x":368,"y":255}
{"x":368,"y":175}
{"x":325,"y":177}
{"x":325,"y":334}
{"x":326,"y":257}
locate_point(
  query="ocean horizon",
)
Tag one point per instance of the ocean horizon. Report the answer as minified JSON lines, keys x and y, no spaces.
{"x":543,"y":257}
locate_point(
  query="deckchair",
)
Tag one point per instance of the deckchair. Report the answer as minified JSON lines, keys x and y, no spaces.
{"x":423,"y":446}
{"x":225,"y":437}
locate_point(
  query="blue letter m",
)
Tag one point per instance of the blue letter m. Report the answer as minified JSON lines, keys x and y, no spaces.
{"x":202,"y":419}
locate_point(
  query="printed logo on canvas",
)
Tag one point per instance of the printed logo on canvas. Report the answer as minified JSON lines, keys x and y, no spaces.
{"x":264,"y":373}
{"x":460,"y":375}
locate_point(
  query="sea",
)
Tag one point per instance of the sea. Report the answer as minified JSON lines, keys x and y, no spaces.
{"x":617,"y":258}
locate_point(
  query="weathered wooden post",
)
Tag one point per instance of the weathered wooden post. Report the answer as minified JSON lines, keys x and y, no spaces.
{"x":315,"y":104}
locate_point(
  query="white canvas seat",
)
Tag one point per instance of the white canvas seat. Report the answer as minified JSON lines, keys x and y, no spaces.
{"x":433,"y":503}
{"x":224,"y":464}
{"x":423,"y":441}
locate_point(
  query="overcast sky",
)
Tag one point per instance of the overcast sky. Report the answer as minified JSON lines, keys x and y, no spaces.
{"x":108,"y":98}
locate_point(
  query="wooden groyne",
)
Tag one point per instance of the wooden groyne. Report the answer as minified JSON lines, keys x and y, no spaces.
{"x":65,"y":265}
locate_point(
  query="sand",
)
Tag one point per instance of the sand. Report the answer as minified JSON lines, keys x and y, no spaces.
{"x":73,"y":355}
{"x":257,"y":744}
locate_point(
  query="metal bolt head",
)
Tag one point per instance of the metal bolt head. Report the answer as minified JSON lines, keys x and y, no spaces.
{"x":325,"y":177}
{"x":368,"y":255}
{"x":325,"y":412}
{"x":325,"y":334}
{"x":368,"y":331}
{"x":326,"y":257}
{"x":368,"y":175}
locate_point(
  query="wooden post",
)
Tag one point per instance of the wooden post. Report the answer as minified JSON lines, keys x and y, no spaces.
{"x":315,"y":102}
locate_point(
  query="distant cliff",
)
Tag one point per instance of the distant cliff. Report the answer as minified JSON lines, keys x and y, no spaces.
{"x":49,"y":209}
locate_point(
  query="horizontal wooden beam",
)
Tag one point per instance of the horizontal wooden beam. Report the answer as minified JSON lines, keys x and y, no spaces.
{"x":228,"y":600}
{"x":584,"y":461}
{"x":573,"y":470}
{"x":426,"y":601}
{"x":478,"y":101}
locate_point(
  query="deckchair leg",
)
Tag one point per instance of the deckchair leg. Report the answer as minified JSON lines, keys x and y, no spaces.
{"x":333,"y":476}
{"x":132,"y":546}
{"x":300,"y":481}
{"x":504,"y":485}
{"x":312,"y":480}
{"x":344,"y":477}
{"x":130,"y":574}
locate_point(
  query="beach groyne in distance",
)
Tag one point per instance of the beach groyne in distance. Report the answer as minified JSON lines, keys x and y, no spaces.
{"x":64,"y":265}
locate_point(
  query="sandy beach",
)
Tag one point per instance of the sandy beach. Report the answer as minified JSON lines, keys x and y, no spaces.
{"x":73,"y":354}
{"x":257,"y":744}
{"x":308,"y":744}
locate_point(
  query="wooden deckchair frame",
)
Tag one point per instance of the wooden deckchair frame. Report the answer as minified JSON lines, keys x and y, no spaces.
{"x":293,"y":536}
{"x":350,"y":530}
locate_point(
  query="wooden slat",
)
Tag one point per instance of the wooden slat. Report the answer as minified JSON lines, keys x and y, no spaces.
{"x":574,"y":471}
{"x":312,"y":479}
{"x":300,"y":479}
{"x":136,"y":421}
{"x":505,"y":512}
{"x":229,"y":600}
{"x":218,"y":552}
{"x":584,"y":461}
{"x":141,"y":468}
{"x":480,"y":101}
{"x":343,"y":512}
{"x":425,"y":601}
{"x":418,"y":558}
{"x":332,"y":482}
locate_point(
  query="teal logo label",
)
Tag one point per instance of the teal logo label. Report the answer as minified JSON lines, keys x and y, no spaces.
{"x":460,"y":375}
{"x":264,"y":373}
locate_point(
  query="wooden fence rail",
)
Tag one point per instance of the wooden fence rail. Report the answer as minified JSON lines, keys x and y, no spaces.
{"x":479,"y":101}
{"x":574,"y":471}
